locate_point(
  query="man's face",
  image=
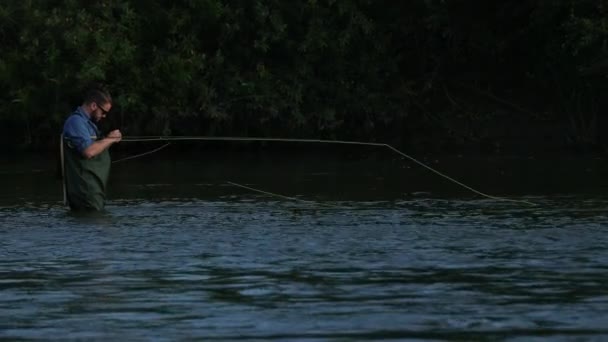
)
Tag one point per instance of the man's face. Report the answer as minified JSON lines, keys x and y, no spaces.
{"x":100,"y":110}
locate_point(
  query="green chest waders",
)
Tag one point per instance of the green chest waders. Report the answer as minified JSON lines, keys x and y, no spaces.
{"x":85,"y":179}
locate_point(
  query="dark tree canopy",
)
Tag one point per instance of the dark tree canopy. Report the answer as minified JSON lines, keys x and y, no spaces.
{"x":430,"y":75}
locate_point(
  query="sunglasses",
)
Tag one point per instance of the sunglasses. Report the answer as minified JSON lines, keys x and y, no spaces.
{"x":103,"y":111}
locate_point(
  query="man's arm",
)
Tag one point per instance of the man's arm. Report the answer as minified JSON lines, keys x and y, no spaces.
{"x":101,"y":145}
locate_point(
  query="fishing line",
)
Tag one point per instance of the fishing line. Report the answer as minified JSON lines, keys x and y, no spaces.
{"x":141,"y":154}
{"x":342,"y":142}
{"x":280,"y":196}
{"x":63,"y":182}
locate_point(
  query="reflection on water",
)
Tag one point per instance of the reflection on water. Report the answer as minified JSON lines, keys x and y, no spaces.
{"x":250,"y":267}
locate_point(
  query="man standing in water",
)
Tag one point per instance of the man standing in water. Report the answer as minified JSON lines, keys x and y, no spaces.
{"x":86,"y":156}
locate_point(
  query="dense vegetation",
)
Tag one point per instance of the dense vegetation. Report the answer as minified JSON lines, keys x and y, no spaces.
{"x":432,"y":75}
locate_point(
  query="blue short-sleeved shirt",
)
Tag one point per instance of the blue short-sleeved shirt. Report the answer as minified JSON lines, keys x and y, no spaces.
{"x":79,"y":131}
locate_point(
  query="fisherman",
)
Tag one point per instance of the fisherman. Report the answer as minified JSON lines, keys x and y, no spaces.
{"x":85,"y":152}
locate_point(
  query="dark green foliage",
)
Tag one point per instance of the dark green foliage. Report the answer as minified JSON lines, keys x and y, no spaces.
{"x":423,"y":73}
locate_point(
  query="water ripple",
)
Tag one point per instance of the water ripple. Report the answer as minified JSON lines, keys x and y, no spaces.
{"x":273,"y":270}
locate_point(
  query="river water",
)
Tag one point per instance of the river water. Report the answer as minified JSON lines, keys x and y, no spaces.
{"x":180,"y":254}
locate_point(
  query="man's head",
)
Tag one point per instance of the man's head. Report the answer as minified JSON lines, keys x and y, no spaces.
{"x":97,"y":103}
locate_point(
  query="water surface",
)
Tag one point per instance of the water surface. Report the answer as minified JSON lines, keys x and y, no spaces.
{"x":196,"y":258}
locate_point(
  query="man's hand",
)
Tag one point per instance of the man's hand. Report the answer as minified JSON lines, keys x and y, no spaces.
{"x":101,"y":145}
{"x":115,"y":135}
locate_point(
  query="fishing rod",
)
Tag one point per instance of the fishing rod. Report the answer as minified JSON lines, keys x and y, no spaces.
{"x":169,"y":139}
